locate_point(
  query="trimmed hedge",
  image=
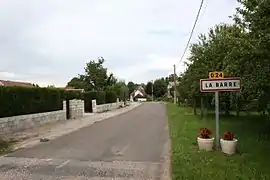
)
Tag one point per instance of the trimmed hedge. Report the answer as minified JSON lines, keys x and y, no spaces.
{"x":111,"y":97}
{"x":89,"y":96}
{"x":68,"y":95}
{"x":24,"y":100}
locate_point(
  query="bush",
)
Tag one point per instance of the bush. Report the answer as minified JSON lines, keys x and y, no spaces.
{"x":68,"y":95}
{"x":24,"y":100}
{"x":89,"y":96}
{"x":111,"y":97}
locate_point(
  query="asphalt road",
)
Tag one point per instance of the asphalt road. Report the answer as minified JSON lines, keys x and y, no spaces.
{"x":131,"y":145}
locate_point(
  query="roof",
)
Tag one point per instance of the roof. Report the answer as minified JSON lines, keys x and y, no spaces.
{"x":15,"y":83}
{"x":139,"y":88}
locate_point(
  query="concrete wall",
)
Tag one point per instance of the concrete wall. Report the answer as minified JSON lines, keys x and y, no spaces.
{"x":106,"y":107}
{"x":76,"y":108}
{"x":23,"y":122}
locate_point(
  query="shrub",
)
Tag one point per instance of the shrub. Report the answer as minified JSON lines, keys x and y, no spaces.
{"x":25,"y":100}
{"x":228,"y":136}
{"x":111,"y":97}
{"x":89,"y":96}
{"x":68,"y":95}
{"x":205,"y":133}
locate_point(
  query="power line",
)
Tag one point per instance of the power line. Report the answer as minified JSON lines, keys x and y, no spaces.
{"x":196,"y":20}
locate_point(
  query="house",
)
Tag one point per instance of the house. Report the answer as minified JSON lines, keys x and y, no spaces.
{"x":138,"y":94}
{"x":15,"y":83}
{"x":170,"y":87}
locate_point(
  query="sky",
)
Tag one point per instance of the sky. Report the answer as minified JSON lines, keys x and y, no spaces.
{"x":49,"y":42}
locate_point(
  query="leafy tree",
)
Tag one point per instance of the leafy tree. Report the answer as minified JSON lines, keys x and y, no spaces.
{"x":148,"y":88}
{"x":77,"y":82}
{"x":160,"y":87}
{"x":131,"y":86}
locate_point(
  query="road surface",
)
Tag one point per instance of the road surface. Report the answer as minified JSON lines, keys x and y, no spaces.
{"x":133,"y":145}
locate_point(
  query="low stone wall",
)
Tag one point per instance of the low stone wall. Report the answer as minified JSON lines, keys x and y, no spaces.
{"x":22,"y":122}
{"x":76,"y":108}
{"x":106,"y":107}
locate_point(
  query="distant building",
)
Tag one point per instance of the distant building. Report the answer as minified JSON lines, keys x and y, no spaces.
{"x":15,"y":83}
{"x":169,"y":87}
{"x":138,"y":94}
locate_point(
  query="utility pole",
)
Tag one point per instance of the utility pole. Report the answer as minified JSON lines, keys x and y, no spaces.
{"x":174,"y":79}
{"x":152,"y":90}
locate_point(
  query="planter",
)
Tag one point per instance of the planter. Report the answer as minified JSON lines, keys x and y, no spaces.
{"x":205,"y":144}
{"x":228,"y":147}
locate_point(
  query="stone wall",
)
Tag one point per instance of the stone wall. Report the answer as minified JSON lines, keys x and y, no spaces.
{"x":76,"y":108}
{"x":22,"y":122}
{"x":106,"y":107}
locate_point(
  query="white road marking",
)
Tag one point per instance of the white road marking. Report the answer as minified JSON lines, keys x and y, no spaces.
{"x":63,"y":164}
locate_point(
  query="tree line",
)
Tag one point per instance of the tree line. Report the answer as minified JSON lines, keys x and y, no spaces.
{"x":240,"y":49}
{"x":96,"y":78}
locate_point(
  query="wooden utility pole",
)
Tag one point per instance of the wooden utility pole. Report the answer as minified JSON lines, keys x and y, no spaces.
{"x":174,"y":79}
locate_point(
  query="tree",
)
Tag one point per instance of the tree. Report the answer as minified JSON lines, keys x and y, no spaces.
{"x":131,"y":86}
{"x":94,"y":78}
{"x":148,"y":88}
{"x":160,"y":87}
{"x":95,"y":75}
{"x":77,"y":83}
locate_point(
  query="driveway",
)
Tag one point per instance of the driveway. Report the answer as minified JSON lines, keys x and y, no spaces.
{"x":133,"y":145}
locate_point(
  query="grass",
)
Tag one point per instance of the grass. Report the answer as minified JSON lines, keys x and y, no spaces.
{"x":251,"y":162}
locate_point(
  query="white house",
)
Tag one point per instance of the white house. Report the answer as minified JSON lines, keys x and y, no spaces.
{"x":138,"y":94}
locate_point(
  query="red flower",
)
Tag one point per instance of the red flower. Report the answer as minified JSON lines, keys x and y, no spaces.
{"x":228,"y":136}
{"x":205,"y":133}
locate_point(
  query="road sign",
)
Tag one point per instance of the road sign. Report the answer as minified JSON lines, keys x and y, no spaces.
{"x":216,"y":85}
{"x":226,"y":84}
{"x":216,"y":75}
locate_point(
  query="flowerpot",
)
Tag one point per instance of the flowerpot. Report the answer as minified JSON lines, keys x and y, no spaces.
{"x":205,"y":144}
{"x":228,"y":147}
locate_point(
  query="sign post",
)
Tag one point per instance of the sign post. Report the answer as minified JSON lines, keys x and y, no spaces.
{"x":216,"y":84}
{"x":217,"y":118}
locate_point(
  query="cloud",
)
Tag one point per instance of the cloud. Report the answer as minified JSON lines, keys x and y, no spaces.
{"x":49,"y":42}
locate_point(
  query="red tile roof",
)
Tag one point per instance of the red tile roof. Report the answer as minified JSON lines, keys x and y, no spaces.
{"x":15,"y":83}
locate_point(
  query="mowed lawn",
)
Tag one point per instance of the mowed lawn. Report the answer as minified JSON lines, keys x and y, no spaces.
{"x":251,"y":162}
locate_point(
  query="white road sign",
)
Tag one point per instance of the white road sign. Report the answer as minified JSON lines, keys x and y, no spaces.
{"x":226,"y":84}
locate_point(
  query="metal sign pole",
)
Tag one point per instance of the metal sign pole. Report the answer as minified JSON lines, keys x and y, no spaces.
{"x":217,"y":119}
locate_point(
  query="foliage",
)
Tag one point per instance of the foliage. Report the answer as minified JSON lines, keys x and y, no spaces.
{"x":24,"y":100}
{"x":121,"y":90}
{"x":160,"y":87}
{"x":205,"y":133}
{"x":241,"y":50}
{"x":148,"y":88}
{"x":229,"y":136}
{"x":131,"y":86}
{"x":94,"y":78}
{"x":111,"y":97}
{"x":100,"y":97}
{"x":68,"y":95}
{"x":77,"y":82}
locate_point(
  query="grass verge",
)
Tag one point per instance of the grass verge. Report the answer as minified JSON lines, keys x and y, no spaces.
{"x":252,"y":161}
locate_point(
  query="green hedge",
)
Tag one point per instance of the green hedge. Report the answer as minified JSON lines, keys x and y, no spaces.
{"x":68,"y":95}
{"x":111,"y":97}
{"x":23,"y":100}
{"x":89,"y":96}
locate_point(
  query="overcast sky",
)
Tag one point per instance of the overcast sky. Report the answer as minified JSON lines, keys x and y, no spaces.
{"x":49,"y":41}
